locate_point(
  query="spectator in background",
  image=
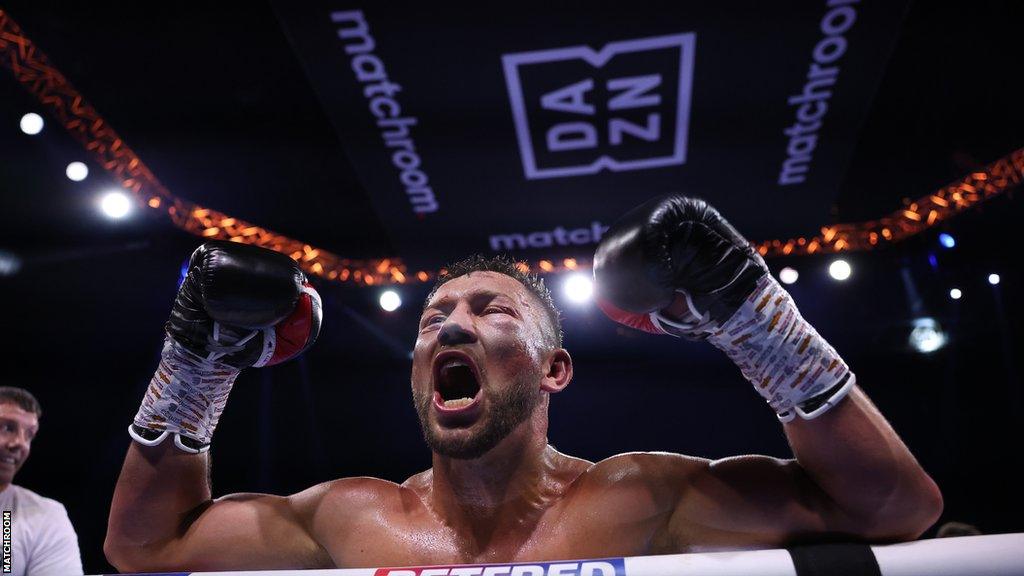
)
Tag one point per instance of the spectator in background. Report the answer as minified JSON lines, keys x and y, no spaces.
{"x":42,"y":541}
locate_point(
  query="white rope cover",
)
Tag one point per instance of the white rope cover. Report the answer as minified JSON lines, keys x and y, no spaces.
{"x":992,"y":555}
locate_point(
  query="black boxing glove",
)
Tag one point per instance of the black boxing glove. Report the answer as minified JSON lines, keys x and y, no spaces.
{"x":239,"y":306}
{"x":671,"y":243}
{"x":244,"y":306}
{"x":676,"y":246}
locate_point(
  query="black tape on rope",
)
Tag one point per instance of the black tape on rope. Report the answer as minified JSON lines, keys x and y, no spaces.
{"x":835,"y":560}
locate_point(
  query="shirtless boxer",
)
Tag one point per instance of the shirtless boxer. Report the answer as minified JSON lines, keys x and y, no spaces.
{"x":487,"y":358}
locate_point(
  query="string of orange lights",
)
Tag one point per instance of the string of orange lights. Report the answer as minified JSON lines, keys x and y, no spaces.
{"x":913,"y":218}
{"x":33,"y":70}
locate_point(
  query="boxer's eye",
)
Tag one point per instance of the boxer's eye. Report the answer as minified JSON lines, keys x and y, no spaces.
{"x":436,"y":319}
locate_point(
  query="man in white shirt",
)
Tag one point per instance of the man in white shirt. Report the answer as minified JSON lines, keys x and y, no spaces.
{"x":37,"y":536}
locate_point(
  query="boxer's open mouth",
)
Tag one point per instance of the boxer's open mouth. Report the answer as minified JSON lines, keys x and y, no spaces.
{"x":456,"y":380}
{"x":457,"y":385}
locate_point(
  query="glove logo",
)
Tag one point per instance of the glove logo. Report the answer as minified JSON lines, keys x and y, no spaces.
{"x":624,"y":107}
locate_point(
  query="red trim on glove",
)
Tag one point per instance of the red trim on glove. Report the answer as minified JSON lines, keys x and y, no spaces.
{"x":294,"y":332}
{"x":632,"y":319}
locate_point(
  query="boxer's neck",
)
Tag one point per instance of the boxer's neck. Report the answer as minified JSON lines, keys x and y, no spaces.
{"x":508,"y":486}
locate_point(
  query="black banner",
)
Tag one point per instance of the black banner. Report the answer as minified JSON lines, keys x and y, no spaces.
{"x":529,"y":127}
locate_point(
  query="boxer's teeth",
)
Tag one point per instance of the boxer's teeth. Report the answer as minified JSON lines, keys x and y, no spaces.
{"x":447,"y":367}
{"x":459,"y":403}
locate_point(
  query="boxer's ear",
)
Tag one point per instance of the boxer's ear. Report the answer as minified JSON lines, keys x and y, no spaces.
{"x":559,"y":372}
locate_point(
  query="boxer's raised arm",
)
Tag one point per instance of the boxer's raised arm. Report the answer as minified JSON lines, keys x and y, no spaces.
{"x":163,"y":519}
{"x":854,"y":456}
{"x":238,"y":307}
{"x":675,"y":266}
{"x":853,"y":479}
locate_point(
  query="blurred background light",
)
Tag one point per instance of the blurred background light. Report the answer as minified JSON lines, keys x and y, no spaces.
{"x":927,"y":335}
{"x":9,"y":263}
{"x":77,"y":171}
{"x":390,"y":300}
{"x":840,"y":270}
{"x":115,"y":205}
{"x":578,"y":288}
{"x":788,"y":275}
{"x":31,"y":123}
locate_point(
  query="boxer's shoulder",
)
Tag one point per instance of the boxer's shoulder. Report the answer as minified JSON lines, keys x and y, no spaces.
{"x":623,"y":503}
{"x":644,"y":482}
{"x":347,"y":505}
{"x":369,"y":521}
{"x":355,"y":494}
{"x":643,"y":468}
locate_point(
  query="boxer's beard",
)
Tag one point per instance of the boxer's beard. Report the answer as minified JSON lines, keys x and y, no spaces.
{"x":506,"y":409}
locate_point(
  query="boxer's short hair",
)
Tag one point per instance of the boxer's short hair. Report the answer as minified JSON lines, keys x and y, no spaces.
{"x":21,"y":398}
{"x":509,"y":267}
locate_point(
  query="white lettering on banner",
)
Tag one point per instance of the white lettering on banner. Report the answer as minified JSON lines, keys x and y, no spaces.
{"x":812,"y":102}
{"x":571,"y":136}
{"x":617,"y":127}
{"x":572,"y":98}
{"x":626,"y":122}
{"x":378,"y":89}
{"x":582,"y":135}
{"x":635,"y":92}
{"x":545,"y":239}
{"x":588,"y":568}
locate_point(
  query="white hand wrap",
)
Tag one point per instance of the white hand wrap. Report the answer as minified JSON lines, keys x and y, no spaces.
{"x":779,"y":352}
{"x":185,"y":397}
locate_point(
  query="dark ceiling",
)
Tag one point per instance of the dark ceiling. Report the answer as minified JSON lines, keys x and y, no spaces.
{"x":216,"y":102}
{"x":221,"y":119}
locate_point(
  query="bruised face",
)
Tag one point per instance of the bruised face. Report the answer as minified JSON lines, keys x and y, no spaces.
{"x":18,"y":428}
{"x":479,"y":362}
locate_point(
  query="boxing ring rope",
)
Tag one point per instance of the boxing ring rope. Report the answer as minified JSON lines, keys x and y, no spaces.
{"x":990,"y":555}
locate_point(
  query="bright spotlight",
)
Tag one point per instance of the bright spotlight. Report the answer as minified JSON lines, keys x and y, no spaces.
{"x":390,"y":300}
{"x":946,"y":240}
{"x":115,"y":205}
{"x":993,"y":279}
{"x":788,"y":275}
{"x":839,"y":270}
{"x":927,"y":335}
{"x":956,"y":293}
{"x":578,"y":288}
{"x":31,"y":123}
{"x":77,"y":171}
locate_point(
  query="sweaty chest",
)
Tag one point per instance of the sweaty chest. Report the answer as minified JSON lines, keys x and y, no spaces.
{"x":567,"y":530}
